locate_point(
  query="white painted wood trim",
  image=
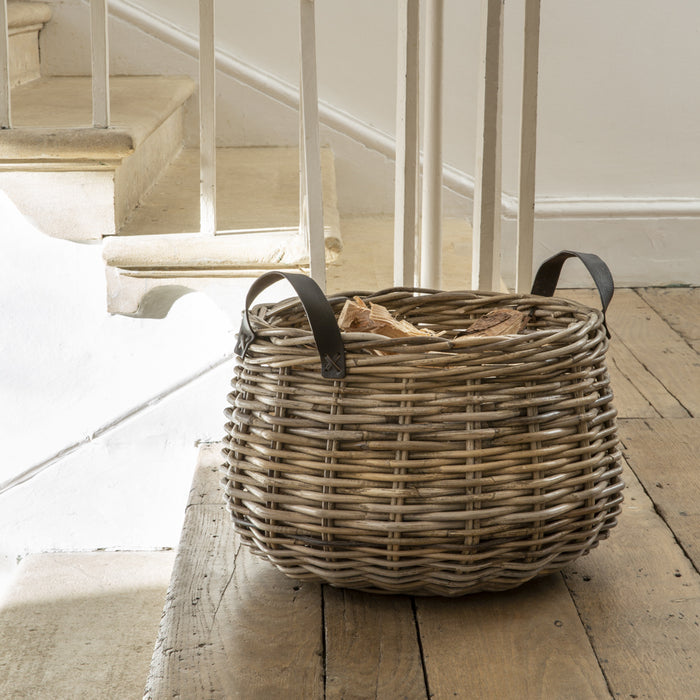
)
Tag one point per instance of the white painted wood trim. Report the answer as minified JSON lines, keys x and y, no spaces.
{"x":5,"y":99}
{"x":303,"y":210}
{"x":99,"y":39}
{"x":311,"y":144}
{"x":407,"y":146}
{"x":207,"y":119}
{"x":528,"y":149}
{"x":431,"y":216}
{"x":487,"y":195}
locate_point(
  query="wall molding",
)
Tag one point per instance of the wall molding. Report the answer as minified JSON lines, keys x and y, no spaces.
{"x":134,"y":412}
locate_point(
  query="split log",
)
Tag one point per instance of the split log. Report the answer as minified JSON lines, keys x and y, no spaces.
{"x":498,"y":322}
{"x":357,"y":317}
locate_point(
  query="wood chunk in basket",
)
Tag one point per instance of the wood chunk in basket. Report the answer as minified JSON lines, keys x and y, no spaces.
{"x":356,"y":316}
{"x":498,"y":322}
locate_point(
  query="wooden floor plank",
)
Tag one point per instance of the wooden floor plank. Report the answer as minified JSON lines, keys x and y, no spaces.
{"x":664,"y":456}
{"x":233,"y":626}
{"x":372,"y":647}
{"x":632,"y":385}
{"x":206,"y":486}
{"x":658,"y":347}
{"x":680,"y":308}
{"x":644,"y":350}
{"x":526,"y":643}
{"x":639,"y":598}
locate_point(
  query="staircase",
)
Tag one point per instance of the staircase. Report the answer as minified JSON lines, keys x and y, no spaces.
{"x":134,"y":187}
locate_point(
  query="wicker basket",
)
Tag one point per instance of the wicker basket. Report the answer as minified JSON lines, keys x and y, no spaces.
{"x":438,"y":466}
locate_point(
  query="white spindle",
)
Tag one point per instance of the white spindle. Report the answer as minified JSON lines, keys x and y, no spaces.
{"x":407,"y":157}
{"x":528,"y":144}
{"x":5,"y":111}
{"x":310,"y":146}
{"x":431,"y":221}
{"x":487,"y":195}
{"x":207,"y":119}
{"x":100,"y":63}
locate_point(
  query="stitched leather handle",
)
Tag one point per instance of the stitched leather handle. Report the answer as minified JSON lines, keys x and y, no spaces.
{"x":547,"y":277}
{"x":319,"y":312}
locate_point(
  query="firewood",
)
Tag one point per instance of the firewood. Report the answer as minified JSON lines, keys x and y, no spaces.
{"x":498,"y":322}
{"x":356,"y":316}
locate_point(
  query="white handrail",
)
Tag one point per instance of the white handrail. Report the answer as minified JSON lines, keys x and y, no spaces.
{"x":528,"y":147}
{"x":5,"y":105}
{"x":407,"y":146}
{"x":99,"y":39}
{"x":431,"y":220}
{"x":486,"y":249}
{"x":311,"y":204}
{"x":207,"y":119}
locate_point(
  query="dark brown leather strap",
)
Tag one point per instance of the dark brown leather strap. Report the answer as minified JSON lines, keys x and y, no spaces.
{"x":319,"y":312}
{"x":547,"y":277}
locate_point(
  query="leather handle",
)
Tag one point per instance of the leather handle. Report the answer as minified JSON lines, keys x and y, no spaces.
{"x":319,"y":312}
{"x":547,"y":277}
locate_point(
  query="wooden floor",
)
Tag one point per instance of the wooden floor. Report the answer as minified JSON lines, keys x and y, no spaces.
{"x":622,"y":622}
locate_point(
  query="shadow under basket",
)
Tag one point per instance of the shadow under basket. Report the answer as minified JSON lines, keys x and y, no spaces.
{"x":424,"y":465}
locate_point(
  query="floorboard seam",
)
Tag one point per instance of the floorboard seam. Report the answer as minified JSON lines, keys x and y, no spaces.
{"x":588,"y":637}
{"x":661,"y":517}
{"x":414,"y":608}
{"x":323,"y":639}
{"x":658,"y":379}
{"x":678,"y":332}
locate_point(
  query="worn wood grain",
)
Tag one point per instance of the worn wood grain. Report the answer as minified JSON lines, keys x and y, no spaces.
{"x":526,"y":643}
{"x":372,"y":647}
{"x":680,"y":308}
{"x":206,"y":486}
{"x":659,"y":348}
{"x":639,"y":597}
{"x":664,"y":456}
{"x":234,"y":627}
{"x":640,"y":339}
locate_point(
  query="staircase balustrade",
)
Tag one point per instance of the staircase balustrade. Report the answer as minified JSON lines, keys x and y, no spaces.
{"x":414,"y":262}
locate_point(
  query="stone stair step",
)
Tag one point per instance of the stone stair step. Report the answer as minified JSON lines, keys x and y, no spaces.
{"x":81,"y":624}
{"x":159,"y":255}
{"x":81,"y":183}
{"x":24,"y":22}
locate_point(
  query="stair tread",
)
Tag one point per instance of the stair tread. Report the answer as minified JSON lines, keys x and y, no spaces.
{"x":257,"y":211}
{"x":52,"y":117}
{"x":81,"y":624}
{"x":26,"y":14}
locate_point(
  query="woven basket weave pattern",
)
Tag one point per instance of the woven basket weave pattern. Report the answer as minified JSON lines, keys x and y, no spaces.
{"x":440,"y":466}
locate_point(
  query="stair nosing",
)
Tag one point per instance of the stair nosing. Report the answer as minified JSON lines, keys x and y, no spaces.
{"x":23,"y":15}
{"x":47,"y":144}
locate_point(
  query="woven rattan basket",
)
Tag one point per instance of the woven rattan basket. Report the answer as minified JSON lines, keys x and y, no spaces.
{"x":440,"y":466}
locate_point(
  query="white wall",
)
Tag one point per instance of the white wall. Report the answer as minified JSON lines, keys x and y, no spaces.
{"x":99,"y":414}
{"x":618,"y":112}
